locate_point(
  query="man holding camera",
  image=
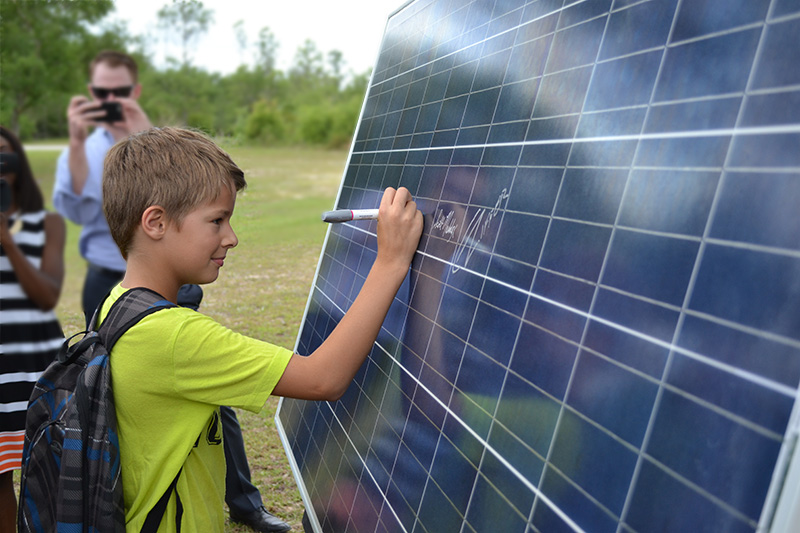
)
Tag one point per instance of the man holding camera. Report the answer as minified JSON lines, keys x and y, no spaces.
{"x":114,"y":113}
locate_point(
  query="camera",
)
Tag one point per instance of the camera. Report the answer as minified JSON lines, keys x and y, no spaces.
{"x":5,"y":195}
{"x":113,"y":112}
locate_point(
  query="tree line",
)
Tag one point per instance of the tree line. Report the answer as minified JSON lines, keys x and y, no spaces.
{"x":46,"y":46}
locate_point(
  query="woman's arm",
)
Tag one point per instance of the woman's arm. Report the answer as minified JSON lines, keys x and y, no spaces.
{"x":42,"y":285}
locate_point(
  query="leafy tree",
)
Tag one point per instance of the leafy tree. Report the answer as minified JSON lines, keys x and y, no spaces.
{"x":267,"y":49}
{"x":187,"y":86}
{"x":308,"y":68}
{"x":265,"y":123}
{"x":42,"y":52}
{"x":336,"y":65}
{"x":181,"y":96}
{"x":241,"y":38}
{"x":47,"y":45}
{"x":189,"y":18}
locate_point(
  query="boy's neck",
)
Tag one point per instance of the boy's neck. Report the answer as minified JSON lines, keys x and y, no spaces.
{"x":134,"y":278}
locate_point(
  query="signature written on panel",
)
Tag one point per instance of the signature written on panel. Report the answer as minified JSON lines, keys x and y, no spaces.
{"x":471,"y":235}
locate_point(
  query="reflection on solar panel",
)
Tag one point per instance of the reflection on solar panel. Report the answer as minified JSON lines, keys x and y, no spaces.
{"x":601,"y":328}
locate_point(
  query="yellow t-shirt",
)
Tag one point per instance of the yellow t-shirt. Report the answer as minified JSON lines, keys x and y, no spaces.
{"x":170,"y":373}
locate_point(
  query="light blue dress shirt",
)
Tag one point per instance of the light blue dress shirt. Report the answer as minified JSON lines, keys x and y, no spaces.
{"x":86,"y":209}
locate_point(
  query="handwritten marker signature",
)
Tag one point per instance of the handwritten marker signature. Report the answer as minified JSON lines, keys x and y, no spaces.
{"x":470,"y":238}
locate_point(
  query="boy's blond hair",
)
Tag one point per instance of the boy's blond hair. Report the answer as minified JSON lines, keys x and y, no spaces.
{"x":177,"y":169}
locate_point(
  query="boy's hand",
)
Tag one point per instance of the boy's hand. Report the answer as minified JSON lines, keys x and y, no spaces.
{"x":326,"y":374}
{"x":399,"y":228}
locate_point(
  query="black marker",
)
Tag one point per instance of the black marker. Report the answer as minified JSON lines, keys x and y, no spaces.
{"x":346,"y":215}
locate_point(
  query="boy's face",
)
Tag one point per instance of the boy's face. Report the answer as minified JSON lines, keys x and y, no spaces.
{"x":199,"y":246}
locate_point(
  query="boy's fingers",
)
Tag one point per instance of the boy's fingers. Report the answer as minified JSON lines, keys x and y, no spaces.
{"x":403,"y":196}
{"x":388,"y":197}
{"x":401,"y":202}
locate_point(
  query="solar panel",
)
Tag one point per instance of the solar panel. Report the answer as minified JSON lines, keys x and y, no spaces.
{"x":600,"y":330}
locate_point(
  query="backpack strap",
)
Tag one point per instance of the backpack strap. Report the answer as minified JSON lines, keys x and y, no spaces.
{"x":128,"y":310}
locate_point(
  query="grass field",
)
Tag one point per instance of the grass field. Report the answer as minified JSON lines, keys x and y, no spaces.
{"x":263,"y":287}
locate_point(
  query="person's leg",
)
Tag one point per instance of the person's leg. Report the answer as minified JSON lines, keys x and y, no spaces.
{"x":242,"y":497}
{"x":240,"y":494}
{"x":95,"y":287}
{"x":8,"y":503}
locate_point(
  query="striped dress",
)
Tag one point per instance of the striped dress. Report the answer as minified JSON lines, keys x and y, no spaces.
{"x":29,"y":340}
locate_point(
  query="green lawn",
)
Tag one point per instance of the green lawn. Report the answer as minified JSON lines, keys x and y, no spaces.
{"x":263,"y":288}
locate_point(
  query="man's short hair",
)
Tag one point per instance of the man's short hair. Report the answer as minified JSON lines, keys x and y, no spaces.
{"x":177,"y":169}
{"x":115,"y":59}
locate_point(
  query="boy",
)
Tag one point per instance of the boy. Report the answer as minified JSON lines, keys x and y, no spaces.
{"x":168,"y":196}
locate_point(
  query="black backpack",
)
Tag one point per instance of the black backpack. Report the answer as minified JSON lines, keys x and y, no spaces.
{"x":70,"y":479}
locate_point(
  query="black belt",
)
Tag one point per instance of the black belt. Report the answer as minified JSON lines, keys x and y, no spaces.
{"x":107,"y":271}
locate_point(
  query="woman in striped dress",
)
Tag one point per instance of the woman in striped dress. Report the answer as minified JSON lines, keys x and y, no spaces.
{"x":31,"y":273}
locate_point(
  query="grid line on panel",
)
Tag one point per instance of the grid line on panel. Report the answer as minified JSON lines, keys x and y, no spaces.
{"x":509,"y":30}
{"x":749,"y":376}
{"x":405,"y":66}
{"x":691,"y":134}
{"x":430,"y":480}
{"x":712,"y":35}
{"x":682,"y":479}
{"x":774,"y":250}
{"x":668,"y":135}
{"x":656,"y":407}
{"x":433,"y":321}
{"x":508,"y":502}
{"x":497,"y":455}
{"x":700,"y":490}
{"x":361,"y":459}
{"x":644,"y":376}
{"x":706,"y":237}
{"x":466,"y":426}
{"x":548,"y":464}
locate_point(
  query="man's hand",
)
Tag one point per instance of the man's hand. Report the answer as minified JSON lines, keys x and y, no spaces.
{"x":81,"y":113}
{"x":134,"y":119}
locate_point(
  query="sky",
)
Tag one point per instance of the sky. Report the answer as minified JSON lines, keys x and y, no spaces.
{"x":354,"y":27}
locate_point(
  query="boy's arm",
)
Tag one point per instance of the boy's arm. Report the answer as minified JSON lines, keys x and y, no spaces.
{"x":326,"y":373}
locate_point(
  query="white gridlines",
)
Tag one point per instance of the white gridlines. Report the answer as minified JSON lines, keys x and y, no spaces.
{"x":702,"y":241}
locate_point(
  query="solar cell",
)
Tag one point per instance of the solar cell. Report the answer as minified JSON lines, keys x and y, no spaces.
{"x":600,"y":330}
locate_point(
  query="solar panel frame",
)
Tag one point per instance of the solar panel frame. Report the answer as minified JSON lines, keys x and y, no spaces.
{"x":649,"y":267}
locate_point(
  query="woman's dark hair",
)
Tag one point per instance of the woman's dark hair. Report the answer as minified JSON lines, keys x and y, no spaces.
{"x":27,"y":194}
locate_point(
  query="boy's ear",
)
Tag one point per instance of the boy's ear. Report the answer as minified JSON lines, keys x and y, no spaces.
{"x":154,"y":222}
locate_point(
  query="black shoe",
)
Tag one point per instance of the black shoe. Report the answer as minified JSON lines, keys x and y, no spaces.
{"x":262,"y":520}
